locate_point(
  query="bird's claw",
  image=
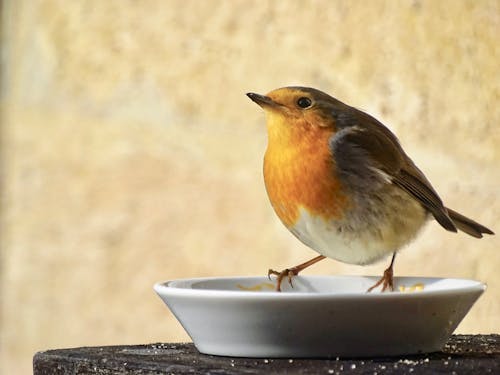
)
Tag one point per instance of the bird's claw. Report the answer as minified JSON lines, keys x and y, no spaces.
{"x":386,"y":280}
{"x":288,"y":272}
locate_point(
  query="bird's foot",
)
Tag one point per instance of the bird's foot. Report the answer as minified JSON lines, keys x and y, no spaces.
{"x":386,"y":280}
{"x":291,"y":272}
{"x":288,"y":273}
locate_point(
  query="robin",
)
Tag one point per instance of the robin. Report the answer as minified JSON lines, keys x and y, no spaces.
{"x":340,"y":181}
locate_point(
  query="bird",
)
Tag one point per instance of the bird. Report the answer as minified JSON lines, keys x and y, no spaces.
{"x":341,"y":183}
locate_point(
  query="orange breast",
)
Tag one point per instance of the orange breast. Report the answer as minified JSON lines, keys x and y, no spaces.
{"x":299,"y":172}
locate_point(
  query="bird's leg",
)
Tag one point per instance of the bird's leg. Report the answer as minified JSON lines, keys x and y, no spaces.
{"x":291,"y":272}
{"x":386,"y":279}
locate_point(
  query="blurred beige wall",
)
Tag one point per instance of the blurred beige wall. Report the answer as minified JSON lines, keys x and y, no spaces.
{"x":130,"y":153}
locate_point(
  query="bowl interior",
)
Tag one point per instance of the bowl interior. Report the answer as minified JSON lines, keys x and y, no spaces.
{"x":322,"y":284}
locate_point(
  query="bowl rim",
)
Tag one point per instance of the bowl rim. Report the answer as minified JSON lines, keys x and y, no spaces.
{"x":165,"y":288}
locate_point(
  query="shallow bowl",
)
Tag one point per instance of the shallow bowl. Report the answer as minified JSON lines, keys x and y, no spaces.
{"x":321,"y":316}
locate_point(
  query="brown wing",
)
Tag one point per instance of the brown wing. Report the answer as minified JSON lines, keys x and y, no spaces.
{"x":363,"y":144}
{"x":422,"y":190}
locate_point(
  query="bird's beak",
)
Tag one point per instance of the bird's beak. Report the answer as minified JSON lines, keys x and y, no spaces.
{"x":262,"y":100}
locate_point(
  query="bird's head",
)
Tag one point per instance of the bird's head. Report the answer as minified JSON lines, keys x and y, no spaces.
{"x":293,"y":110}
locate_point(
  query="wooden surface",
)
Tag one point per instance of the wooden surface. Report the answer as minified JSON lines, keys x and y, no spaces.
{"x":463,"y":354}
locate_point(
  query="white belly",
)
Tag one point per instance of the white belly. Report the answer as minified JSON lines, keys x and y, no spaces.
{"x":366,"y":236}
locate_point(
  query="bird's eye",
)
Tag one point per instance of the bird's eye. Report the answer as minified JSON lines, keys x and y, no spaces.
{"x":304,"y":102}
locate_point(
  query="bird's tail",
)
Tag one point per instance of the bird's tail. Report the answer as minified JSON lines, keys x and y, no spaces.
{"x":467,"y":225}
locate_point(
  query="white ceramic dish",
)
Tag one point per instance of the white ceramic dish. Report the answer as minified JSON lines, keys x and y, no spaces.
{"x":321,"y":316}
